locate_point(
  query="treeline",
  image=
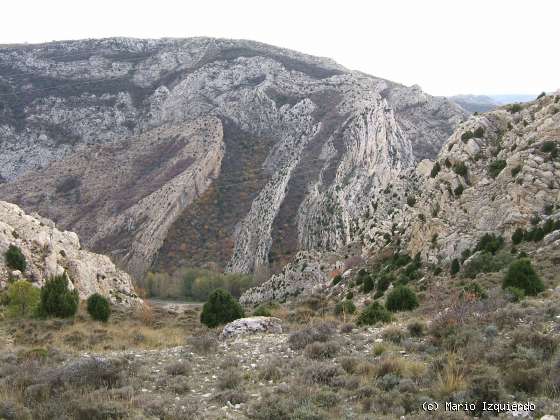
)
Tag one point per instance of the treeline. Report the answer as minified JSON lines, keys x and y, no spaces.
{"x":194,"y":284}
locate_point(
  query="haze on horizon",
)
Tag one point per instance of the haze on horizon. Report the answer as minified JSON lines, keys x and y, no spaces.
{"x":480,"y":47}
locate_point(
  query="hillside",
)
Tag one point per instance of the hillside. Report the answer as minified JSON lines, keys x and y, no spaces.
{"x":49,"y":252}
{"x":169,"y":153}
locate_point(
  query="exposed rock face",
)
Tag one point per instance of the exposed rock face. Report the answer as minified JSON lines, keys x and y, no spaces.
{"x":252,"y":325}
{"x":512,"y":177}
{"x":509,"y":181}
{"x":475,"y":103}
{"x":49,"y":251}
{"x":206,"y":150}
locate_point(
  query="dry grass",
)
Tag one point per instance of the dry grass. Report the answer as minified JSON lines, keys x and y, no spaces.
{"x":451,"y":378}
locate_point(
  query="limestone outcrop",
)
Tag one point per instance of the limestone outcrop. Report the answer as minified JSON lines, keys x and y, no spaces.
{"x":49,"y":252}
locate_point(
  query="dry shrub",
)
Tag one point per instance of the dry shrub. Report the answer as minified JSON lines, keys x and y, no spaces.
{"x":230,"y":379}
{"x":271,"y":370}
{"x":320,"y":332}
{"x":204,"y":343}
{"x":318,"y":350}
{"x":178,"y":368}
{"x":394,"y":334}
{"x":390,"y":365}
{"x":321,"y":373}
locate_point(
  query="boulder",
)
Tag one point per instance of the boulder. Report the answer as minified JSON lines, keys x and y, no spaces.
{"x":252,"y":325}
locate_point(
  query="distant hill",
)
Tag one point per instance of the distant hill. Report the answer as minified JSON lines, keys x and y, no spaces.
{"x":484,"y":103}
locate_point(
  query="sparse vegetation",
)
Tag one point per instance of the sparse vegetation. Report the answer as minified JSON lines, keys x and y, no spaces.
{"x":460,"y":168}
{"x":495,"y":167}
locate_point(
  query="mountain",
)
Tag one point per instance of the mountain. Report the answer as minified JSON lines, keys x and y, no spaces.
{"x":49,"y":252}
{"x":498,"y":173}
{"x":184,"y":152}
{"x":475,"y":103}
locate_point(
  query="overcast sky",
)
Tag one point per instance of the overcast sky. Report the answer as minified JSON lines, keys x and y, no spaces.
{"x":447,"y":47}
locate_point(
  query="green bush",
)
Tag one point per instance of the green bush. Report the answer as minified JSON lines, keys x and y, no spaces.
{"x":518,"y":236}
{"x":479,"y":132}
{"x":401,"y":298}
{"x":459,"y":190}
{"x":368,"y":284}
{"x":262,"y":310}
{"x":15,"y":258}
{"x":350,"y":295}
{"x":490,"y":243}
{"x":522,"y":275}
{"x":514,"y":108}
{"x":98,"y":307}
{"x":514,"y":294}
{"x":221,"y":308}
{"x":460,"y":168}
{"x":485,"y":262}
{"x":336,"y":279}
{"x":476,"y":290}
{"x":410,"y":200}
{"x":23,"y":298}
{"x":516,"y":170}
{"x":542,"y":95}
{"x":455,"y":267}
{"x":57,"y":300}
{"x":374,"y":313}
{"x":548,"y":147}
{"x":435,"y":170}
{"x":345,"y":307}
{"x":466,"y":136}
{"x":495,"y":167}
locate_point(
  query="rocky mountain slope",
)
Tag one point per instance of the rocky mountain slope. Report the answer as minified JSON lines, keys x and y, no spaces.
{"x":475,"y":103}
{"x":50,"y":252}
{"x":181,"y":152}
{"x":497,"y":173}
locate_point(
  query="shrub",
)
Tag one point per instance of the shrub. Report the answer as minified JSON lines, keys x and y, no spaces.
{"x":476,"y":290}
{"x":98,"y":307}
{"x":518,"y":236}
{"x":221,"y":308}
{"x":262,"y":310}
{"x":490,"y":243}
{"x":548,"y":147}
{"x":495,"y":167}
{"x":514,"y":108}
{"x":15,"y":258}
{"x":23,"y":298}
{"x":205,"y":343}
{"x":411,"y":201}
{"x":336,"y":279}
{"x":368,"y":284}
{"x":542,"y":95}
{"x":435,"y":170}
{"x":350,"y":295}
{"x":231,"y":378}
{"x":300,"y":339}
{"x":466,"y":136}
{"x":57,"y":300}
{"x":455,"y":267}
{"x":416,"y":328}
{"x":460,"y":168}
{"x":484,"y":387}
{"x":479,"y":132}
{"x":374,"y":313}
{"x":485,"y":262}
{"x":318,"y":350}
{"x":514,"y":294}
{"x":345,"y":307}
{"x":401,"y":298}
{"x":522,"y":275}
{"x":516,"y":170}
{"x":459,"y":190}
{"x":178,"y":368}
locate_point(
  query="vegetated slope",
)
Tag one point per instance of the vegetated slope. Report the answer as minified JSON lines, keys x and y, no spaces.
{"x":497,"y":174}
{"x":296,"y":144}
{"x":50,"y":252}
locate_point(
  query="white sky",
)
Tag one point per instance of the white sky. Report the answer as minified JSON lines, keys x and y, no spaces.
{"x":447,"y":47}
